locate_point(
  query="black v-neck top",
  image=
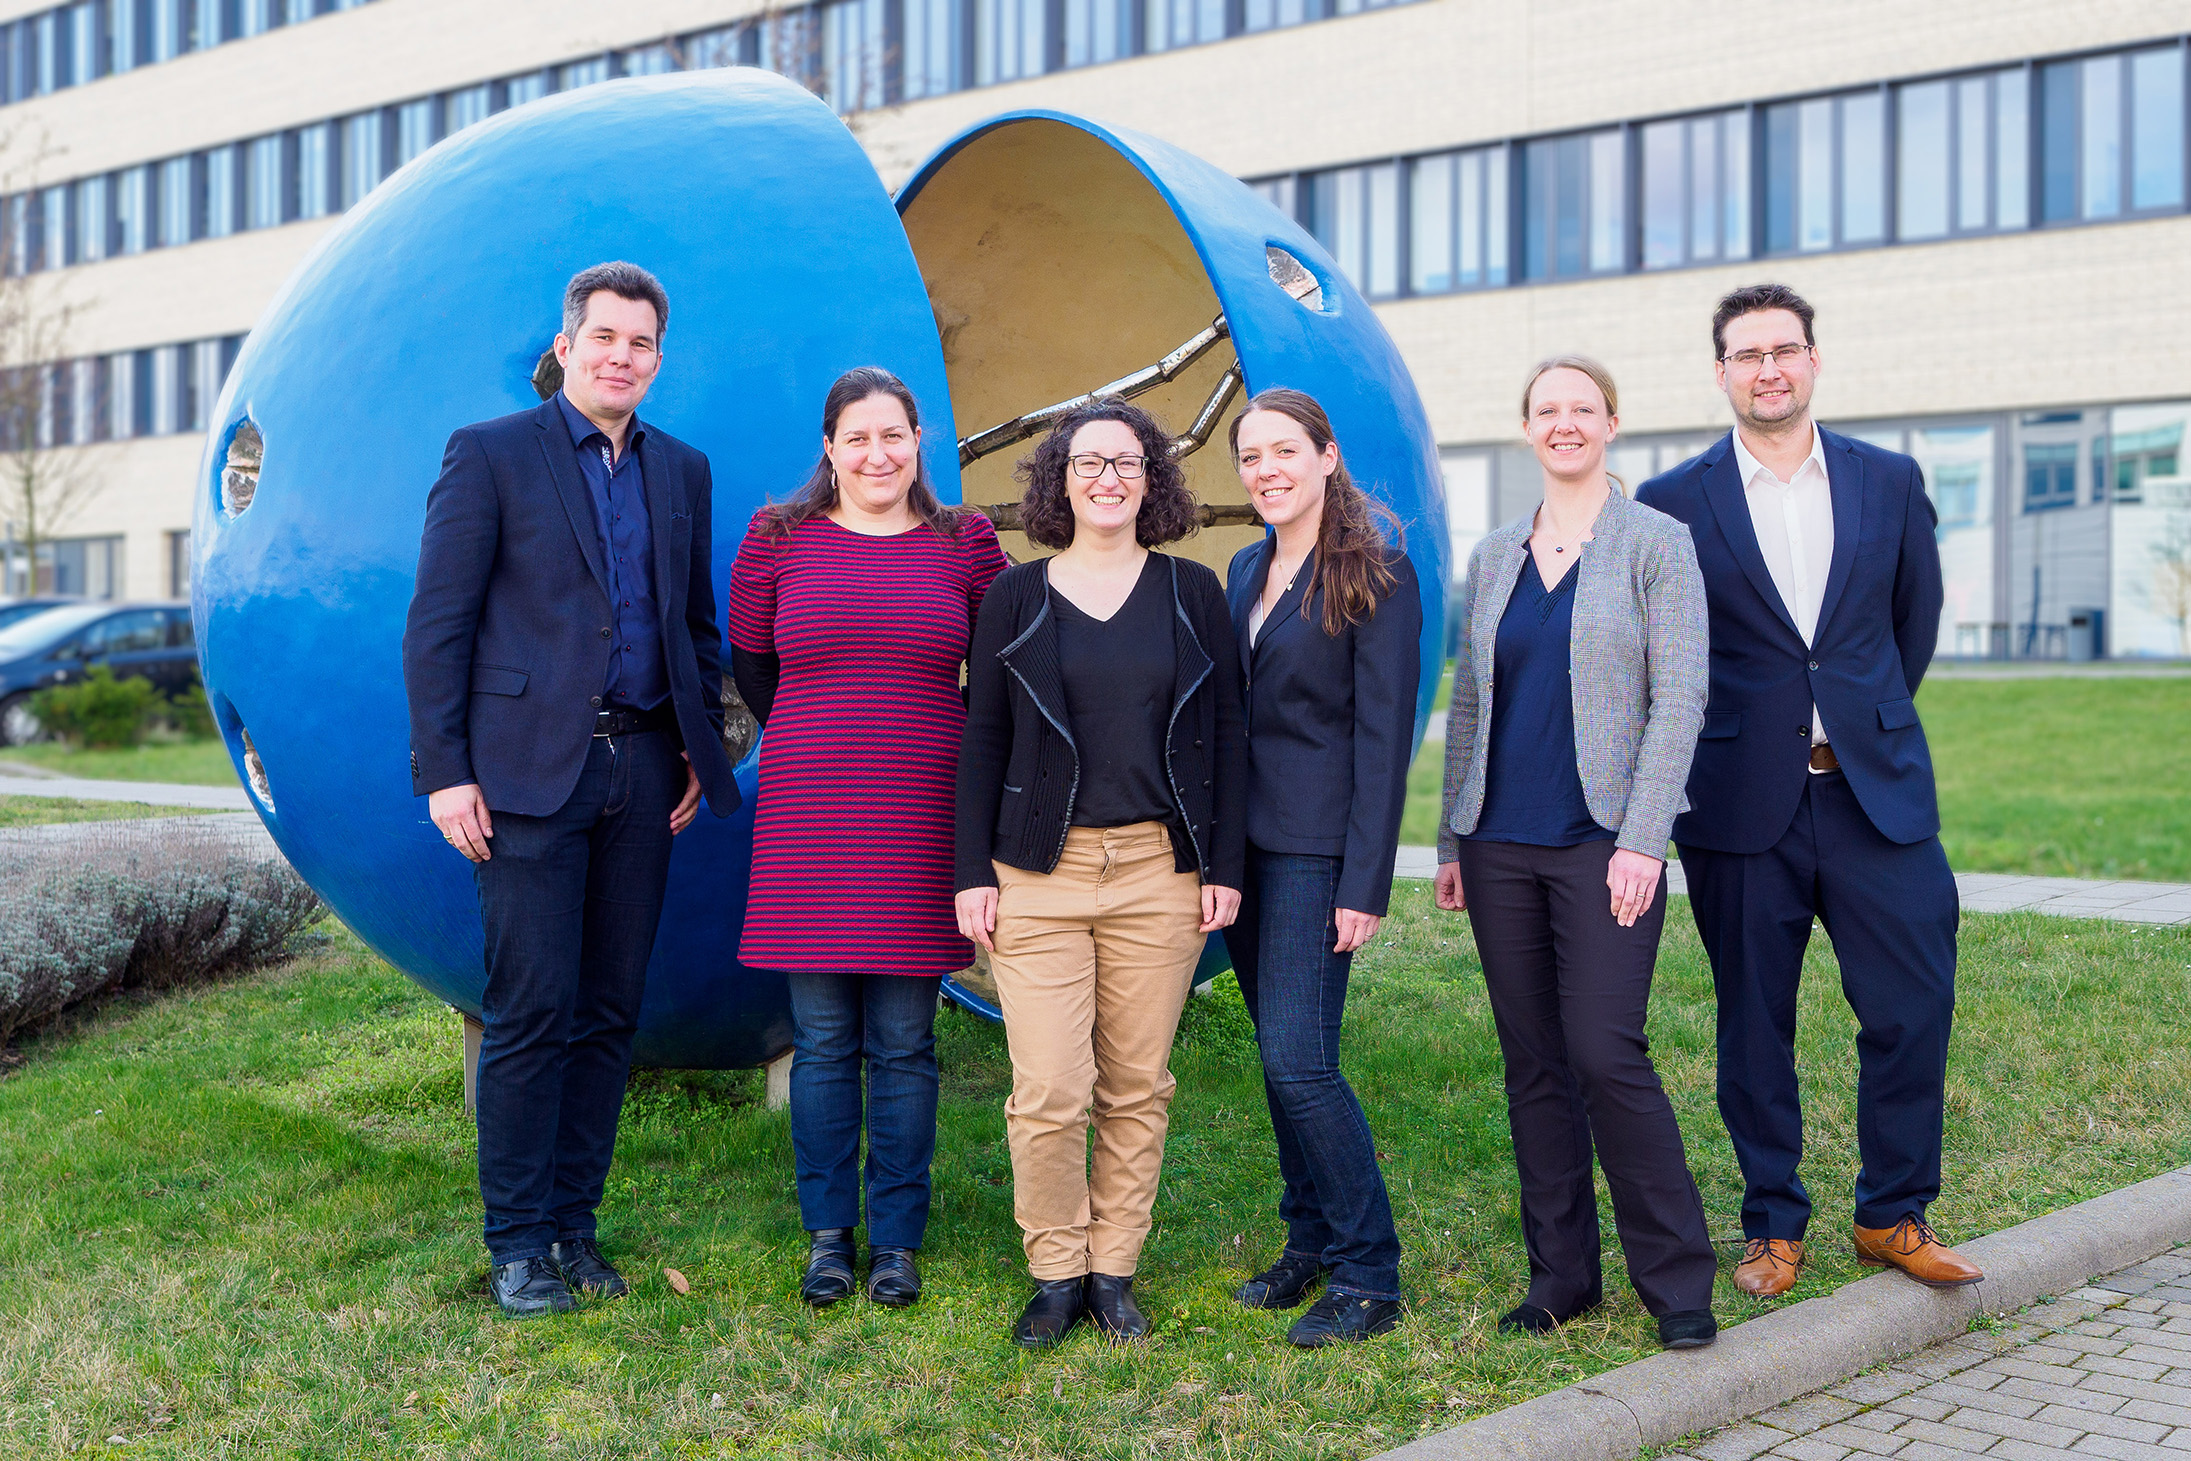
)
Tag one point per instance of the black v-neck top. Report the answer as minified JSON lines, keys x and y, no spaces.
{"x":1118,"y":676}
{"x":1532,"y":789}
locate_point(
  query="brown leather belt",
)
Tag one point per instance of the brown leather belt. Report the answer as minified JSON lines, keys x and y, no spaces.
{"x":1823,"y":758}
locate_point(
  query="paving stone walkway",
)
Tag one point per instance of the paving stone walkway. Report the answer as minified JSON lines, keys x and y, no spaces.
{"x":17,"y":779}
{"x":2101,"y":1372}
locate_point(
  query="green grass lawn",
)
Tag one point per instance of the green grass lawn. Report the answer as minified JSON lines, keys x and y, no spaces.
{"x":243,"y":1222}
{"x":39,"y":811}
{"x":2074,"y":778}
{"x":190,"y":763}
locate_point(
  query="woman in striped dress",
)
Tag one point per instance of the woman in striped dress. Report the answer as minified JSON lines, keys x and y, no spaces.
{"x":851,"y":606}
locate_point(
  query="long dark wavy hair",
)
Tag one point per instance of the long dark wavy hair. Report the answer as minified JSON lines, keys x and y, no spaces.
{"x":1168,"y":510}
{"x":819,"y":494}
{"x":1358,"y":536}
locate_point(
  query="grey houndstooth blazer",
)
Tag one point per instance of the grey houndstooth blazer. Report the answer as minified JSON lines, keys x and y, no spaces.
{"x":1639,"y":656}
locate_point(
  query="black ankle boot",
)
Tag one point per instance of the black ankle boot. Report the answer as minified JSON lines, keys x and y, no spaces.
{"x":892,"y":1279}
{"x":829,"y":1259}
{"x":1687,"y":1329}
{"x":1051,"y":1314}
{"x":1343,"y":1318}
{"x":1283,"y":1285}
{"x":1112,"y":1309}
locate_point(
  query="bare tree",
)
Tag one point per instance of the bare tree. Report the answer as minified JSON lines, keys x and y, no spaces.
{"x":2170,"y":591}
{"x":43,"y":480}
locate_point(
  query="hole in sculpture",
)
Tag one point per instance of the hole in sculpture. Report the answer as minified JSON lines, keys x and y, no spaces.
{"x":240,"y":472}
{"x":254,"y":771}
{"x":1293,"y":276}
{"x":741,"y":728}
{"x":547,"y":376}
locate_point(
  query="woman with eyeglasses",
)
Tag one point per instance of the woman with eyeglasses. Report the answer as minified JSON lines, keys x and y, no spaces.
{"x":1101,"y":794}
{"x":1578,"y":692}
{"x":1330,"y":625}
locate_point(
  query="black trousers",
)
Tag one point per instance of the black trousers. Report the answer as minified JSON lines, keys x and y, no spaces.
{"x":570,"y":902}
{"x":1569,"y":992}
{"x":1891,"y":910}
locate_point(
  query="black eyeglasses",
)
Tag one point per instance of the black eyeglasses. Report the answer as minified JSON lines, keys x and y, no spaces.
{"x":1782,"y":356}
{"x":1129,"y":467}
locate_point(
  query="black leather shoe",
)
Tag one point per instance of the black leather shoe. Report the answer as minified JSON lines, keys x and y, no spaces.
{"x":1687,"y":1329}
{"x":1283,"y":1285}
{"x":1051,"y":1314}
{"x":829,"y":1260}
{"x":1338,"y":1318}
{"x":529,"y":1288}
{"x":1111,"y":1308}
{"x":892,"y":1279}
{"x":586,"y":1271}
{"x":1527,"y":1319}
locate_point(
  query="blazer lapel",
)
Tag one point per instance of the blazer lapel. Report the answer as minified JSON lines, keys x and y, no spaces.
{"x":1245,"y":590}
{"x":1289,"y":603}
{"x":1731,"y":510}
{"x":555,"y":445}
{"x":1502,"y":570}
{"x":1845,"y":473}
{"x":654,"y":475}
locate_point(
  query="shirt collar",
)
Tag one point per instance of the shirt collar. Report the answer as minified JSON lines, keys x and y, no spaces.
{"x":1749,"y":466}
{"x":582,"y":430}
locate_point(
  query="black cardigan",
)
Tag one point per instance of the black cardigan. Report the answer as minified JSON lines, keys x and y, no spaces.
{"x":1331,"y":723}
{"x":1018,"y":768}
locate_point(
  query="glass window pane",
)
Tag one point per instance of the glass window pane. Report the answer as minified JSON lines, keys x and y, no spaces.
{"x":1470,"y":169}
{"x":263,"y":183}
{"x":93,"y":231}
{"x":1430,"y":217}
{"x":1972,"y":146}
{"x":1384,"y":229}
{"x":361,"y":167}
{"x":1814,"y":188}
{"x":1705,"y":186}
{"x":2058,"y":146}
{"x":175,"y":202}
{"x":1782,"y":195}
{"x":2011,"y":149}
{"x":474,"y":104}
{"x":2100,"y":121}
{"x":1921,"y":176}
{"x":1735,"y":201}
{"x":720,"y":47}
{"x":1348,"y":216}
{"x":1608,"y":202}
{"x":1665,"y":200}
{"x":133,"y":209}
{"x":931,"y":48}
{"x":1496,"y":223}
{"x":2149,"y":554}
{"x":1863,"y":169}
{"x":315,"y":175}
{"x":2156,"y":123}
{"x":646,"y":61}
{"x":531,"y":86}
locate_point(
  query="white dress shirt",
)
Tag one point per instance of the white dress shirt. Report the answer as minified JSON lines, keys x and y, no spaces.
{"x":1794,"y":523}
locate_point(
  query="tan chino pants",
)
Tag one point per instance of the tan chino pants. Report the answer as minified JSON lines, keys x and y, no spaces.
{"x":1092,"y":962}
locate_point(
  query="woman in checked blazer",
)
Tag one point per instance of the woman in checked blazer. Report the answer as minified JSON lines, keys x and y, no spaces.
{"x":1577,"y":698}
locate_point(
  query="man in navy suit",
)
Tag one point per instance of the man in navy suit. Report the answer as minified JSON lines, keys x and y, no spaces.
{"x":563,"y":667}
{"x":1811,"y":794}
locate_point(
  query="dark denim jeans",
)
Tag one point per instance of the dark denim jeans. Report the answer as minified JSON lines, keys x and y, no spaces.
{"x":1335,"y":1206}
{"x":570,"y":902}
{"x":887,"y":1021}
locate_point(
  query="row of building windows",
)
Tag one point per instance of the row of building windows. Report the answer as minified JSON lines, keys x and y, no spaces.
{"x":156,"y":392}
{"x":855,"y":53}
{"x":73,"y":45}
{"x":2086,"y":139}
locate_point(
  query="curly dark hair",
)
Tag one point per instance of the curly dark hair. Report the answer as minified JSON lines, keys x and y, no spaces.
{"x":1168,"y":510}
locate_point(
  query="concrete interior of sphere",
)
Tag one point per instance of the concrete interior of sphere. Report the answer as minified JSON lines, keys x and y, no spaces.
{"x":1053,"y":265}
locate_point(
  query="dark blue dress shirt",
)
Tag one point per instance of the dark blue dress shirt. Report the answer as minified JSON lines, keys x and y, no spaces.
{"x":638,"y":679}
{"x":1532,"y":791}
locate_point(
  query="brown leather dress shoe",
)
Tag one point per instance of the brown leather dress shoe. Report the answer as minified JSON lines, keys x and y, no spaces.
{"x":1769,"y":1266}
{"x":1912,"y":1246}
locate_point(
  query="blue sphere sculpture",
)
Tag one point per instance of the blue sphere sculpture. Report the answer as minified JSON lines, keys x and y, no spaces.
{"x":786,"y":263}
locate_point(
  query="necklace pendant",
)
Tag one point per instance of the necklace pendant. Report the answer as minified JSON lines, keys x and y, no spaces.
{"x":1558,"y":549}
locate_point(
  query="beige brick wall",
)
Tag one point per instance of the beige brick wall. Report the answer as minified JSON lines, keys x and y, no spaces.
{"x":142,"y":491}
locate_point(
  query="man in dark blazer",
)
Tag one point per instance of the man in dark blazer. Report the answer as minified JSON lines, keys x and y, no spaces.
{"x":562,"y":664}
{"x":1811,"y":795}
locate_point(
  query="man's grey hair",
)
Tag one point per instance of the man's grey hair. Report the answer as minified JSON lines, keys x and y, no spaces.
{"x":627,"y":281}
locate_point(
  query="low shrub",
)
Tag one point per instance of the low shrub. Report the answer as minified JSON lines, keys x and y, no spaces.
{"x":150,"y":905}
{"x":97,"y":710}
{"x":188,"y":715}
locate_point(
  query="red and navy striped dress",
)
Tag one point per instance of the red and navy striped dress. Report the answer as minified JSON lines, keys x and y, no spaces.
{"x":852,"y":830}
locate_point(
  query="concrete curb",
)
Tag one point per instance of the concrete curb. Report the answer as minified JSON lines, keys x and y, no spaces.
{"x":1819,"y":1342}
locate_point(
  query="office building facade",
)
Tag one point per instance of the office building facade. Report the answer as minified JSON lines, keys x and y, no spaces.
{"x":1987,"y":203}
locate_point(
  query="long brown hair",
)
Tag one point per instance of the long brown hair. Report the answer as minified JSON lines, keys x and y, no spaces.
{"x":1358,"y":535}
{"x":819,"y":494}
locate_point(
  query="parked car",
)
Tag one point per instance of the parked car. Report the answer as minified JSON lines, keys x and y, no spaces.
{"x":151,"y":641}
{"x":14,"y":611}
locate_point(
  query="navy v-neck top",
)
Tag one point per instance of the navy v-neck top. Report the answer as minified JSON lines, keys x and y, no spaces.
{"x":1532,"y":791}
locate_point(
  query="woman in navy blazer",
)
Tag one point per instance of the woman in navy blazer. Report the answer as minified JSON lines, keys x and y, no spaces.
{"x":1330,"y":624}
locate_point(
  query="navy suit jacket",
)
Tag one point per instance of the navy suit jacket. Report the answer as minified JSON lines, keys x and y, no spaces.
{"x":506,"y":650}
{"x":1331,"y":723}
{"x":1877,"y":626}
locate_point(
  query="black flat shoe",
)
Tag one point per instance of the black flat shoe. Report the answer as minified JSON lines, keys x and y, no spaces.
{"x":586,"y":1271}
{"x":1283,"y":1285}
{"x":529,"y":1288}
{"x":829,"y":1261}
{"x":1527,"y":1319}
{"x":1341,"y":1318}
{"x":1051,"y":1314}
{"x":1111,"y":1308}
{"x":1687,"y":1329}
{"x":892,"y":1279}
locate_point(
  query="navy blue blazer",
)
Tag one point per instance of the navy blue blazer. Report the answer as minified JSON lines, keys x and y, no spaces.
{"x":1331,"y":723}
{"x":1877,"y":626}
{"x":506,"y":649}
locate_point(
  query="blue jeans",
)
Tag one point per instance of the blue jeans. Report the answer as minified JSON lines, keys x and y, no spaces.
{"x":887,"y":1021}
{"x":1335,"y":1206}
{"x":569,"y":902}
